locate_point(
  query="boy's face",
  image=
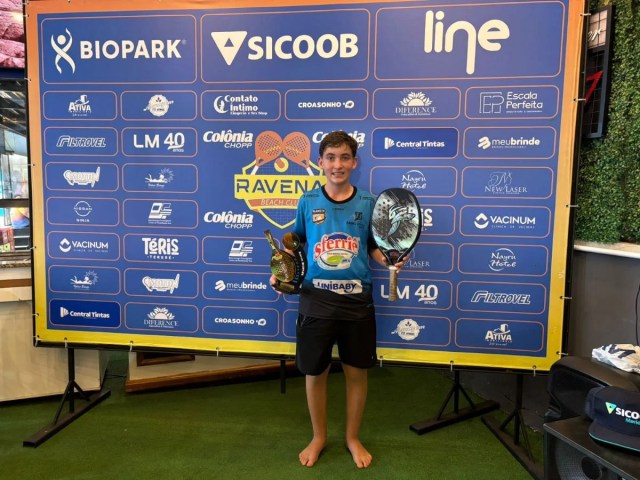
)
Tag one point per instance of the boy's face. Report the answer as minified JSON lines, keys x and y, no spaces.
{"x":338,"y":163}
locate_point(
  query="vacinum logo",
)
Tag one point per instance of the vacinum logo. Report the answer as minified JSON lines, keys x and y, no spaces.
{"x":285,"y":47}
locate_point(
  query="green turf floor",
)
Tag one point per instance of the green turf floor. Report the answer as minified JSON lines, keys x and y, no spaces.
{"x":249,"y":430}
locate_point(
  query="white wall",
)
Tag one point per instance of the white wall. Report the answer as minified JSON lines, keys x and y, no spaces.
{"x":27,"y":371}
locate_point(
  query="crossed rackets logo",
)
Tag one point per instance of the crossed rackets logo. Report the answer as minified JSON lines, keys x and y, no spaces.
{"x":295,"y":147}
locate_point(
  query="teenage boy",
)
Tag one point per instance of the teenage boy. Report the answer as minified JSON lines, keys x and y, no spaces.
{"x":336,"y":303}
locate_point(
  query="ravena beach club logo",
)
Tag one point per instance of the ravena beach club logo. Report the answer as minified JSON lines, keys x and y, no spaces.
{"x":280,"y":172}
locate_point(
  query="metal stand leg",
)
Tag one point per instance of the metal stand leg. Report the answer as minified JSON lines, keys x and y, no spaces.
{"x":283,"y":376}
{"x":68,"y":395}
{"x":522,"y":454}
{"x":457,"y":415}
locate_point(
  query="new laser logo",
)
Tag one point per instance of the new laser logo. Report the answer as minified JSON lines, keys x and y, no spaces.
{"x":285,"y":47}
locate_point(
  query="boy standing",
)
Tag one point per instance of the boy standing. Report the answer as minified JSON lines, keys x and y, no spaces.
{"x":336,"y":303}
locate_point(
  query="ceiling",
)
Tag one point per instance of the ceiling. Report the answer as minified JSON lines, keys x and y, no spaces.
{"x":13,"y":106}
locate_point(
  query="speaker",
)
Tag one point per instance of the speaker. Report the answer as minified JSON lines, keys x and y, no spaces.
{"x":564,"y":462}
{"x":571,"y":378}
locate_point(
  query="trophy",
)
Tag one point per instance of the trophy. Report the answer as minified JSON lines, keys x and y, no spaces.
{"x":288,"y":268}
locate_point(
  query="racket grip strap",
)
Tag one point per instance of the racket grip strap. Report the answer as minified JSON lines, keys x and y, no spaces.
{"x":393,"y":283}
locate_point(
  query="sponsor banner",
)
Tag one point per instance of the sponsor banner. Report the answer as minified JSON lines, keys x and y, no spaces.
{"x":161,"y":213}
{"x":424,"y":182}
{"x":86,"y":141}
{"x":290,"y":319}
{"x":161,"y":283}
{"x":154,"y":247}
{"x":394,"y":143}
{"x":469,"y":41}
{"x":494,"y":259}
{"x":512,"y":102}
{"x":324,"y":46}
{"x":519,"y":143}
{"x":438,"y":219}
{"x":526,"y":298}
{"x":426,"y":257}
{"x":79,"y":105}
{"x":410,"y":331}
{"x":161,"y":318}
{"x":159,"y":105}
{"x":84,"y":314}
{"x":128,"y":49}
{"x":238,"y":286}
{"x":241,"y":105}
{"x":246,"y":251}
{"x":159,"y":142}
{"x":160,"y":178}
{"x":83,"y":246}
{"x":414,"y":292}
{"x":242,"y":322}
{"x":329,"y":104}
{"x":498,"y":221}
{"x":102,"y":212}
{"x":419,"y":103}
{"x":97,"y":177}
{"x":507,"y":182}
{"x":508,"y":336}
{"x":228,"y":221}
{"x":84,"y":279}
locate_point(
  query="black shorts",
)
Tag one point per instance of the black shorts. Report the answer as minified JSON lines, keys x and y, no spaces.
{"x":315,"y":338}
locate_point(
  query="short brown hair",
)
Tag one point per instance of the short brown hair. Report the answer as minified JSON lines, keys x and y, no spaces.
{"x":337,"y":138}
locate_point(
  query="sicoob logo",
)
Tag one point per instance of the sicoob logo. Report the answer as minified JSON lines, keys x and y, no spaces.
{"x":285,"y":47}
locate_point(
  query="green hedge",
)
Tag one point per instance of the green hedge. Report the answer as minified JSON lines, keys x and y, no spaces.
{"x":608,"y":189}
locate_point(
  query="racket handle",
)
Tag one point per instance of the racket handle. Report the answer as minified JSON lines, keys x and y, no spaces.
{"x":393,"y":283}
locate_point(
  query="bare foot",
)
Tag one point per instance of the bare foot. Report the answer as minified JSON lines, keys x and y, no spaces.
{"x":309,"y":456}
{"x":361,"y":456}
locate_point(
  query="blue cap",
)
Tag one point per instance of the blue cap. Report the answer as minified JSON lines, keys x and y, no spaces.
{"x":616,"y":416}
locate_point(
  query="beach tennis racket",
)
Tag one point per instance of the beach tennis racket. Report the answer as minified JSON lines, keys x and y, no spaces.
{"x":396,"y":224}
{"x":268,"y":146}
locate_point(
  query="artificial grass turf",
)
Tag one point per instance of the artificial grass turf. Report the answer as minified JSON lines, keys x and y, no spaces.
{"x":249,"y":430}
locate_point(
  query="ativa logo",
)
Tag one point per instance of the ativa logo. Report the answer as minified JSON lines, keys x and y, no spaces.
{"x":285,"y":47}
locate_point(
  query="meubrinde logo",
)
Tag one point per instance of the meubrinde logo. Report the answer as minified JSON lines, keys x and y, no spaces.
{"x":285,"y":47}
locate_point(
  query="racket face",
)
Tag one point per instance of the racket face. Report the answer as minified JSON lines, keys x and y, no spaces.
{"x":396,"y":223}
{"x":268,"y":146}
{"x":283,"y":267}
{"x":297,"y":148}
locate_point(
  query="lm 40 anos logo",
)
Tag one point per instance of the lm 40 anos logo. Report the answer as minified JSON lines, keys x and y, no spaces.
{"x":280,"y":172}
